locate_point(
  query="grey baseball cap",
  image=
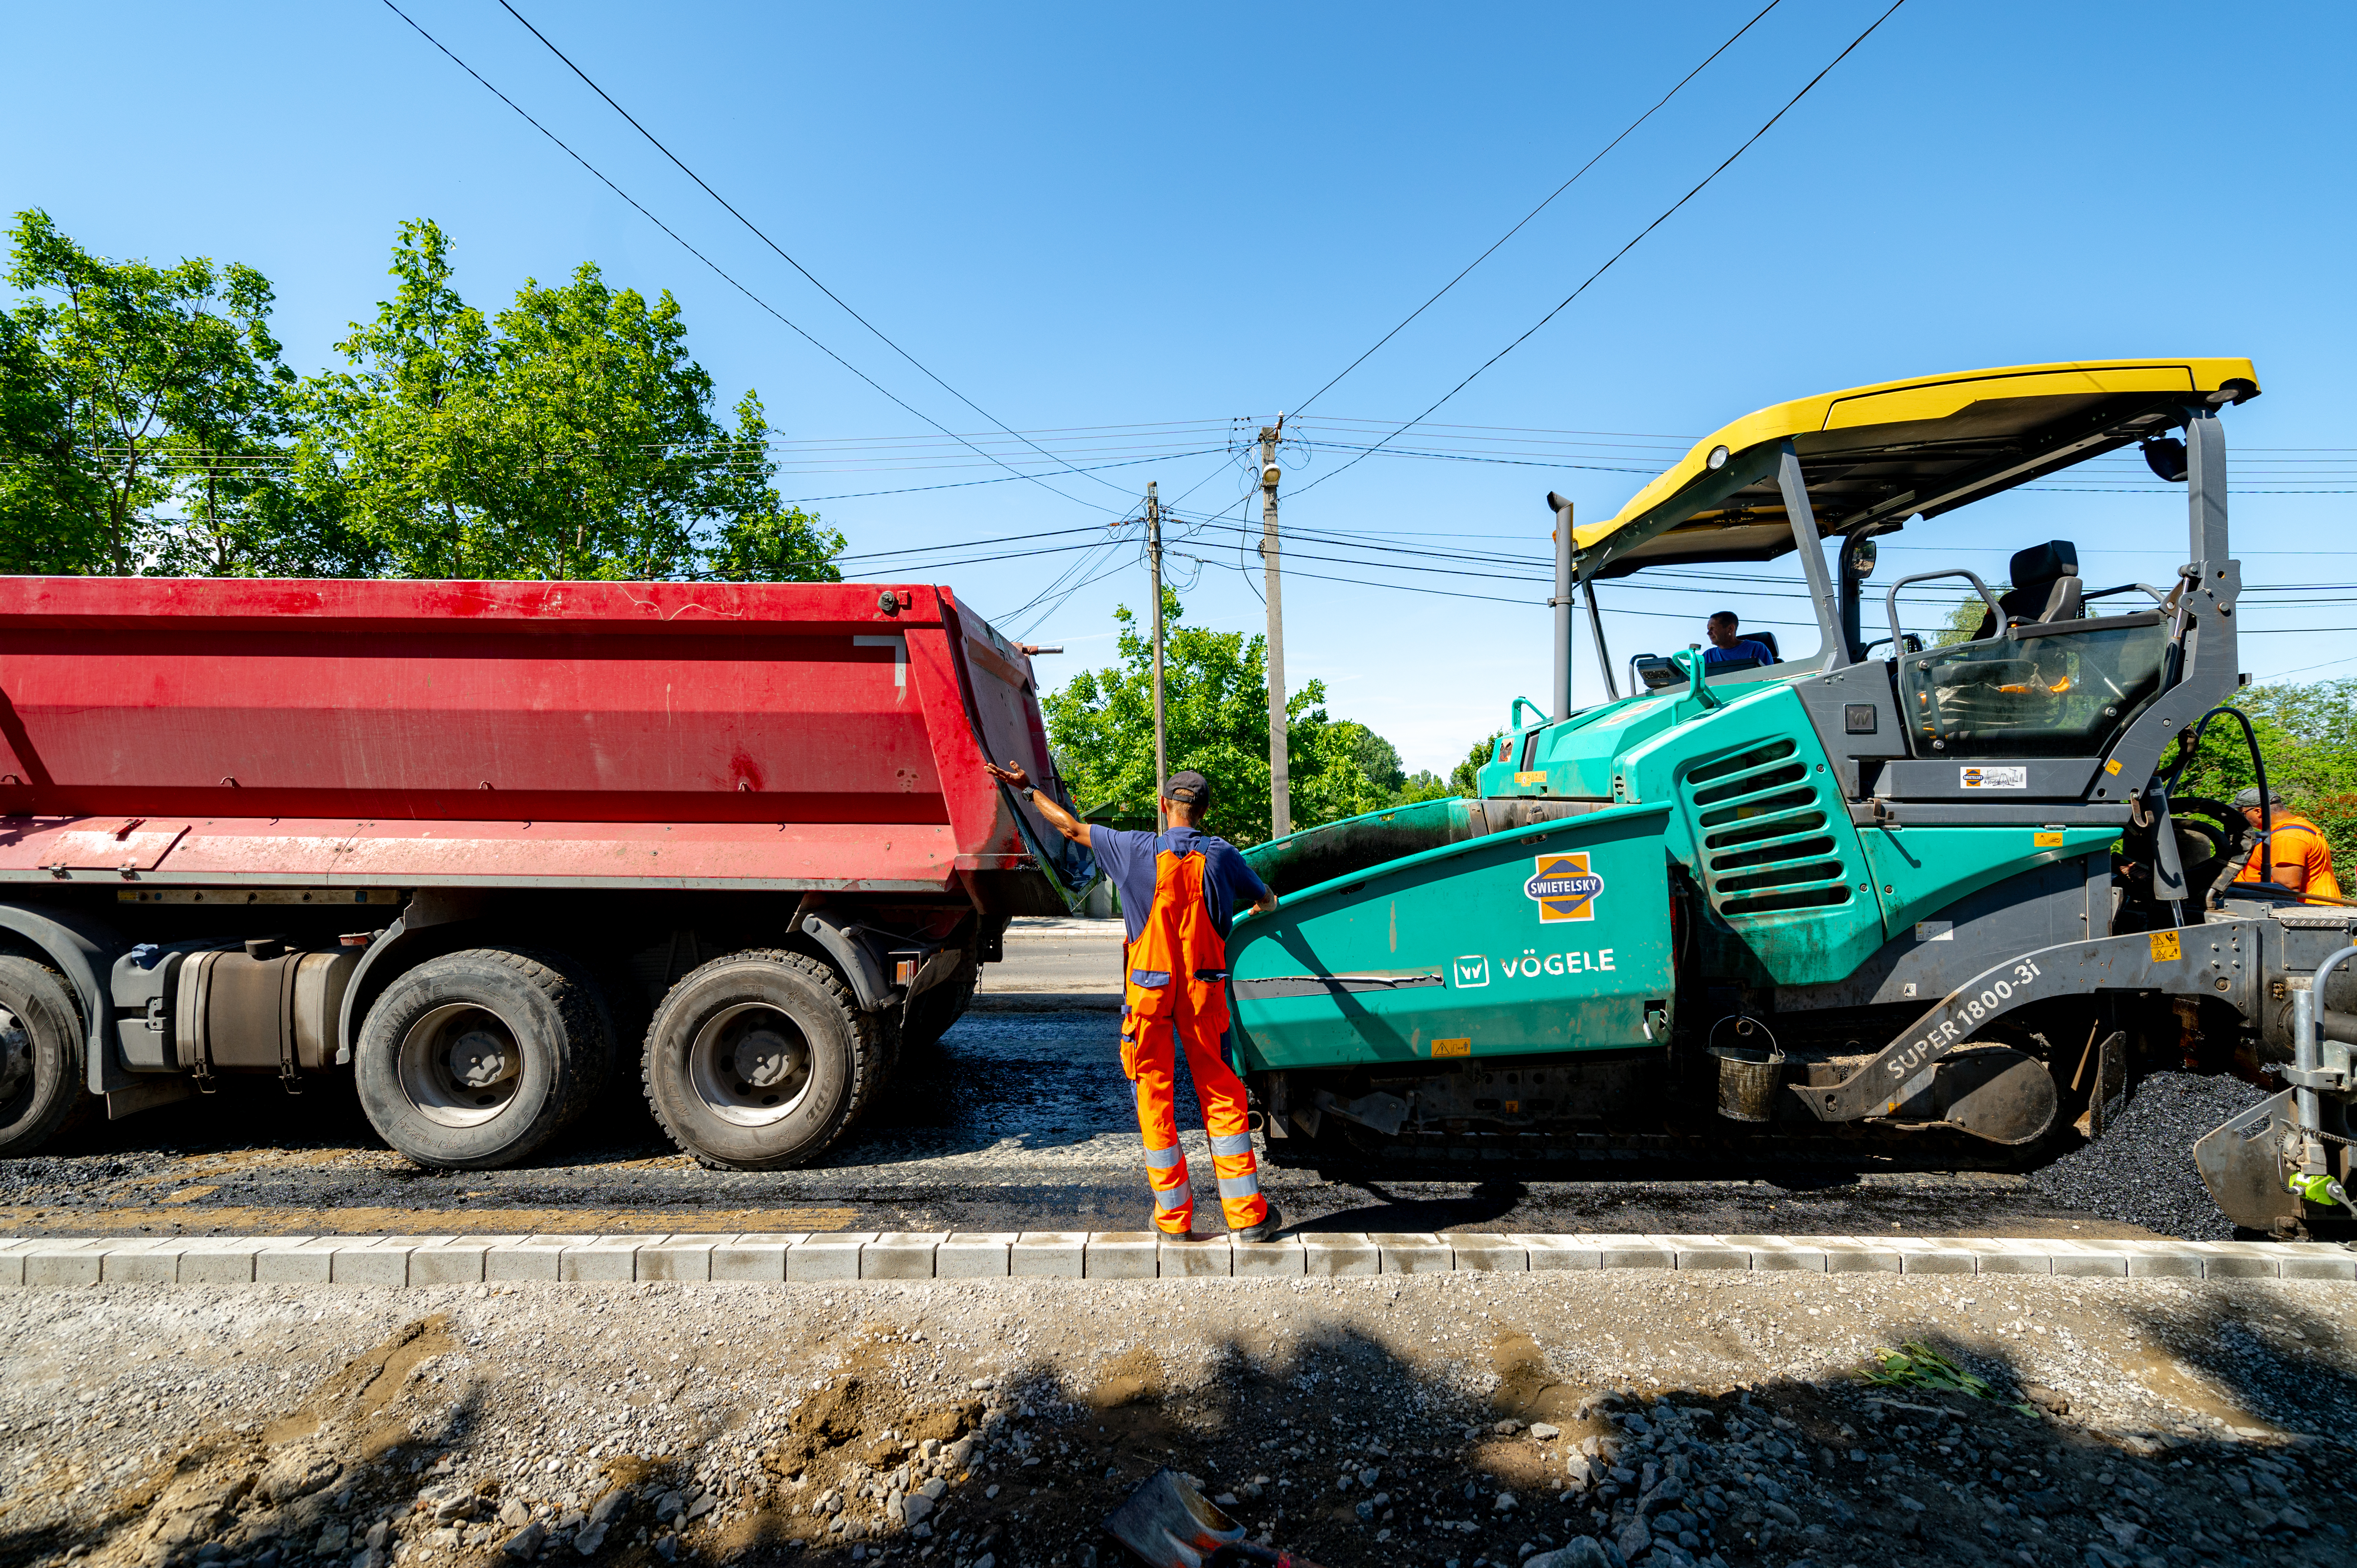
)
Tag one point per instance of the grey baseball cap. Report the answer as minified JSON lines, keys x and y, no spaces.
{"x":1188,"y":788}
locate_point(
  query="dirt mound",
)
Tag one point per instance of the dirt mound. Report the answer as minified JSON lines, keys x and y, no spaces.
{"x":864,"y":1416}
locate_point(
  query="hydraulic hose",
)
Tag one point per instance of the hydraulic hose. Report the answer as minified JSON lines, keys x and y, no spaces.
{"x":2188,"y":746}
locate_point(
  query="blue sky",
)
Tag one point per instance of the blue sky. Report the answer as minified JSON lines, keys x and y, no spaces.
{"x":1142,"y":230}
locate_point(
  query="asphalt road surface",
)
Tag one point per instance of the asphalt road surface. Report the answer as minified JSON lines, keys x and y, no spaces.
{"x":1020,"y":1121}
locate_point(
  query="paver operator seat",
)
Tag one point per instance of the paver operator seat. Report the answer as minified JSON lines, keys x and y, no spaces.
{"x":2048,"y":680}
{"x":2046,"y":588}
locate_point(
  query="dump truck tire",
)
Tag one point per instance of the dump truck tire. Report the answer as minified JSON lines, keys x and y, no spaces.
{"x":40,"y":1055}
{"x":762,"y":1060}
{"x":473,"y":1060}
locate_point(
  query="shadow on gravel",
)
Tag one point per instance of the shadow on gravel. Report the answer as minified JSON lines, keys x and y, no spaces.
{"x":1487,"y":1203}
{"x":1357,"y":1446}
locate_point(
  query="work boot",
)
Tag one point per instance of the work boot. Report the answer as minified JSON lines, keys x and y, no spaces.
{"x":1270,"y":1224}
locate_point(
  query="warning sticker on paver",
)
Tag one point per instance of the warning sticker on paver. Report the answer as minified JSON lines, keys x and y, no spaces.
{"x":1972,"y":778}
{"x":2165,"y":947}
{"x":1457,"y":1048}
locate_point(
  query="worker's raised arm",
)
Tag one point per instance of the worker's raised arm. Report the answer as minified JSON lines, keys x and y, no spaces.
{"x":1062,"y":820}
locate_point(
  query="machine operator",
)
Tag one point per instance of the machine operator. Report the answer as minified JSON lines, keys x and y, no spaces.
{"x":2302,"y":861}
{"x":1729,"y":646}
{"x":1179,"y":890}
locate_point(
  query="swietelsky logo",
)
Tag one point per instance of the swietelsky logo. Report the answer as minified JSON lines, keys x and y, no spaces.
{"x":1564,"y":888}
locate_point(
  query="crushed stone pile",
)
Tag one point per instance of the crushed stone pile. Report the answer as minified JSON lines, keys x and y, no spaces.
{"x":2141,"y":1171}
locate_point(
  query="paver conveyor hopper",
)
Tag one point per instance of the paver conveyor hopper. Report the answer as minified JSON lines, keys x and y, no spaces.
{"x":1949,"y":896}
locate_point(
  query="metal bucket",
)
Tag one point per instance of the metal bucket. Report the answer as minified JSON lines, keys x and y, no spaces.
{"x":1748,"y":1073}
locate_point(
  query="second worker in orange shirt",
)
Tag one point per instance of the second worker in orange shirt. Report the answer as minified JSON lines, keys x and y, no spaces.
{"x":2302,"y":860}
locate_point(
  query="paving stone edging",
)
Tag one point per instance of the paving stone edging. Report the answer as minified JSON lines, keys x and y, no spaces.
{"x":830,"y":1257}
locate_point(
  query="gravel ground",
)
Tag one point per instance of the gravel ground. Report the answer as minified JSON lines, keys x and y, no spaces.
{"x":2141,"y":1171}
{"x":1472,"y":1420}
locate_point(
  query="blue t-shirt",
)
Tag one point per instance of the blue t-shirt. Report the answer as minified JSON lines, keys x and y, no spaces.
{"x":1129,"y":859}
{"x":1744,"y":647}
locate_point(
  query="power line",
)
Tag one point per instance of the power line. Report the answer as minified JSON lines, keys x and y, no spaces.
{"x":1624,"y":250}
{"x":1542,"y":207}
{"x":975,"y":543}
{"x":773,"y":245}
{"x":769,"y":308}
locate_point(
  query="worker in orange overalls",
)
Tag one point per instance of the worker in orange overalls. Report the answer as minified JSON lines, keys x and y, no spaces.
{"x":2300,"y":858}
{"x":1178,"y":892}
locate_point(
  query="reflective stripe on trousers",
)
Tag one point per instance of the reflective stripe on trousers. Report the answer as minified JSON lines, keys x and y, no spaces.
{"x":1221,"y":1094}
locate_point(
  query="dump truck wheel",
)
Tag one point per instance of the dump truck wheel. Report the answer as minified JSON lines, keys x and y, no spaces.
{"x":40,"y":1055}
{"x":761,"y":1060}
{"x":472,"y":1060}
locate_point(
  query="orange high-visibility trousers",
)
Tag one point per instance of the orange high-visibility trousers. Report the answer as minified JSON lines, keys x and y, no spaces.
{"x":1177,"y":974}
{"x":1152,"y":1045}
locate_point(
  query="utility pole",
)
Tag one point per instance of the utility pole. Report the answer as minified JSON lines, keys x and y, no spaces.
{"x":1161,"y":729}
{"x":1280,"y":790}
{"x":1561,"y":604}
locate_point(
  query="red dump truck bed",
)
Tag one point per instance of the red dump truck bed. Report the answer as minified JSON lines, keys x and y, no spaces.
{"x":763,"y":737}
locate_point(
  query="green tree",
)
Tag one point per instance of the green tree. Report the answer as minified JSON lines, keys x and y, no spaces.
{"x":1215,"y":698}
{"x":570,"y":436}
{"x":1465,"y":779}
{"x":2308,"y":735}
{"x":1378,"y":758}
{"x":47,"y":497}
{"x":1965,"y":617}
{"x":117,"y":375}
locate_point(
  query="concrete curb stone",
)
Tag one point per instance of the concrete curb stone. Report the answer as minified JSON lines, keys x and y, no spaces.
{"x":828,"y":1257}
{"x":1997,"y":1256}
{"x":1488,"y":1252}
{"x":757,"y":1257}
{"x":1705,"y":1252}
{"x":1549,"y":1254}
{"x":1121,"y":1255}
{"x":1622,"y":1252}
{"x":1849,"y":1255}
{"x":975,"y":1255}
{"x":1049,"y":1255}
{"x":900,"y":1255}
{"x":302,"y":1260}
{"x":64,"y":1262}
{"x":458,"y":1262}
{"x":680,"y":1257}
{"x":1412,"y":1253}
{"x":534,"y":1258}
{"x":1283,"y":1258}
{"x":155,"y":1262}
{"x":1330,"y":1254}
{"x":1213,"y":1258}
{"x":226,"y":1260}
{"x":1778,"y":1254}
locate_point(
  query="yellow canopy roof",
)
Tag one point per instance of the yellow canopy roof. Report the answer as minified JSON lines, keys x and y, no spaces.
{"x":1873,"y":456}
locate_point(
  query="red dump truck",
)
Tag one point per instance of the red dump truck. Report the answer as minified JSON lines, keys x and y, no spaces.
{"x":474,"y":842}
